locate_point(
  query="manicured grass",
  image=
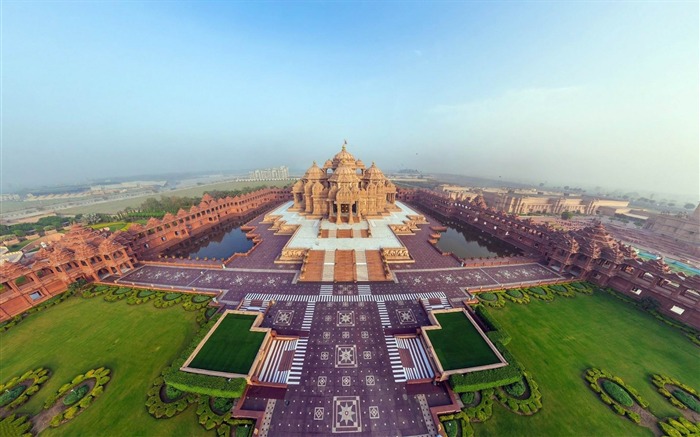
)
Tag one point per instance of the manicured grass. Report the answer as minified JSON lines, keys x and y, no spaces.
{"x":232,"y":347}
{"x":458,"y":344}
{"x":136,"y":342}
{"x":557,"y":341}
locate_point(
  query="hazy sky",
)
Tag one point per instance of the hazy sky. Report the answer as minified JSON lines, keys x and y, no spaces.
{"x":574,"y":93}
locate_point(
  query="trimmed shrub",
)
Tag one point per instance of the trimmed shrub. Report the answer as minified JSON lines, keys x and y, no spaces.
{"x":687,"y":399}
{"x":145,"y":293}
{"x":171,"y":296}
{"x":15,"y":426}
{"x":19,"y":389}
{"x":159,"y":407}
{"x":468,"y":397}
{"x":487,"y":296}
{"x":205,"y":384}
{"x":10,"y":395}
{"x":223,"y":405}
{"x":199,"y":298}
{"x":76,"y":394}
{"x":451,"y":428}
{"x":516,"y":389}
{"x":540,"y":293}
{"x":618,"y":393}
{"x":661,"y":381}
{"x":172,"y":393}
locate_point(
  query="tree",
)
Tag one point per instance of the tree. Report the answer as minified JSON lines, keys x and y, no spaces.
{"x":567,"y":215}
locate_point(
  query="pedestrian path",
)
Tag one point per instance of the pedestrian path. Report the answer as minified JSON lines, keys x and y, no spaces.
{"x":254,"y":304}
{"x":436,"y":303}
{"x":395,"y":359}
{"x":364,"y":290}
{"x":326,"y":290}
{"x":294,"y":377}
{"x":421,"y":368}
{"x":308,"y":316}
{"x":276,"y":366}
{"x":328,"y":266}
{"x":346,"y":298}
{"x":383,"y":314}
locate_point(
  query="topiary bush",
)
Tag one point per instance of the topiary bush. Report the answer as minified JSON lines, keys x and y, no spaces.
{"x":74,"y":389}
{"x":662,"y":381}
{"x":687,"y":399}
{"x":11,"y":394}
{"x":19,"y":389}
{"x":540,"y":293}
{"x":468,"y":397}
{"x":15,"y":426}
{"x":561,"y":290}
{"x":618,"y":393}
{"x":173,"y":403}
{"x":76,"y":394}
{"x":516,"y":389}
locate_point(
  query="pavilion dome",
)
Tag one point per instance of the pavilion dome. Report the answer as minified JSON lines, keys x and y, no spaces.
{"x":343,"y":157}
{"x":344,"y":174}
{"x":314,"y":172}
{"x":373,"y":173}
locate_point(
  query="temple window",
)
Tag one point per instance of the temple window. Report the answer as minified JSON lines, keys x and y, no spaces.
{"x":678,"y":310}
{"x":35,"y":295}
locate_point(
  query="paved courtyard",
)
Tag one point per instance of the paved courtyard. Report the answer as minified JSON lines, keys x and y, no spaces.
{"x":347,"y":359}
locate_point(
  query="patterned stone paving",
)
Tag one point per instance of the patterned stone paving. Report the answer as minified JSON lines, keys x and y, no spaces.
{"x":345,"y":374}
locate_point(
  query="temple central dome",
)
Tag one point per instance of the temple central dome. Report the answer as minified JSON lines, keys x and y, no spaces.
{"x":344,"y":190}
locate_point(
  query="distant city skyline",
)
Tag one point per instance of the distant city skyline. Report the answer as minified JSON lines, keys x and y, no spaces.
{"x":579,"y":94}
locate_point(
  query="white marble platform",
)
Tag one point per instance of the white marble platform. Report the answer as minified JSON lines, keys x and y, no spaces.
{"x":307,"y":236}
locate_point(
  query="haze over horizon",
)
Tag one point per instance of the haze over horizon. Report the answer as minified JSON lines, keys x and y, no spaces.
{"x":569,"y":93}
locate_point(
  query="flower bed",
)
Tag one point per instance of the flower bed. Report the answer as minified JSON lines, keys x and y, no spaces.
{"x":491,"y":299}
{"x":171,"y":404}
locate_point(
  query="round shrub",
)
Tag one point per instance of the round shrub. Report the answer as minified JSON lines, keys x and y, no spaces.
{"x":488,"y":296}
{"x":468,"y":397}
{"x":539,"y":291}
{"x":516,"y":389}
{"x":200,"y":298}
{"x":145,"y":293}
{"x":688,"y":400}
{"x":223,"y":405}
{"x":618,"y":393}
{"x":122,"y":290}
{"x":515,"y":293}
{"x":10,"y":395}
{"x":172,"y":392}
{"x":76,"y":394}
{"x":171,"y":296}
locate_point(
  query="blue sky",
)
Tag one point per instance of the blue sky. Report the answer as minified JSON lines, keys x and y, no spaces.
{"x":595,"y":93}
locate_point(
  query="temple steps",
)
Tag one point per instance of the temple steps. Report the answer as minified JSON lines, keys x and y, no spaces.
{"x":344,"y":266}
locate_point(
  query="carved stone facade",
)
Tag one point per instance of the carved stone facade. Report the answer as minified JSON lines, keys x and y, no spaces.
{"x":343,"y":190}
{"x":589,"y":254}
{"x":85,"y":253}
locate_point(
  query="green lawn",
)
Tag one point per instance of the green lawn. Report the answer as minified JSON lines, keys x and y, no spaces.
{"x":232,"y":347}
{"x":458,"y":344}
{"x":557,"y":341}
{"x":136,"y":342}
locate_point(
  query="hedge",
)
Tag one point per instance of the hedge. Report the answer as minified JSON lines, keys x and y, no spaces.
{"x":687,"y":399}
{"x":517,"y":296}
{"x":492,"y":324}
{"x":512,"y":401}
{"x":488,"y":378}
{"x":18,"y":397}
{"x":100,"y":376}
{"x":661,"y":381}
{"x":460,"y":421}
{"x":159,"y":408}
{"x":15,"y":426}
{"x":76,"y":394}
{"x":517,"y":389}
{"x":540,"y":293}
{"x":468,"y":397}
{"x":491,"y":299}
{"x":679,"y":427}
{"x":617,"y":393}
{"x":593,"y":376}
{"x":482,"y":411}
{"x":581,"y":287}
{"x":205,"y":385}
{"x":561,"y":290}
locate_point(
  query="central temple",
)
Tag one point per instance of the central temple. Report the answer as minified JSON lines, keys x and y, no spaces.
{"x":344,"y":191}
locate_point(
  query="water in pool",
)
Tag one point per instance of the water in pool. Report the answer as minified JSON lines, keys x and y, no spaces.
{"x":468,"y":242}
{"x":221,"y":244}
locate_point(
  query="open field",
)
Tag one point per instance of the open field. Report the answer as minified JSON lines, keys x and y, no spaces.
{"x":557,"y":341}
{"x":232,"y":347}
{"x":458,"y":344}
{"x":135,"y":341}
{"x":114,"y":206}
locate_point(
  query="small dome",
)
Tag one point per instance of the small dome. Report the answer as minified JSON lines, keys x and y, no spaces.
{"x":343,"y":157}
{"x":314,"y":172}
{"x":344,"y":174}
{"x":373,"y":173}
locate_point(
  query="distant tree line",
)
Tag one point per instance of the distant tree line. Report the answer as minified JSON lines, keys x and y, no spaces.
{"x":43,"y":224}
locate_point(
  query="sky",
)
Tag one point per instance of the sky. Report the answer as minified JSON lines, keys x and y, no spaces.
{"x":575,"y":93}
